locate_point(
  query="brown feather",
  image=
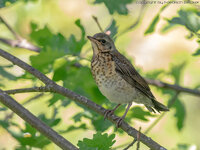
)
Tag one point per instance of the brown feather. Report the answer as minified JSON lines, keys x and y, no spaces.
{"x":129,"y":74}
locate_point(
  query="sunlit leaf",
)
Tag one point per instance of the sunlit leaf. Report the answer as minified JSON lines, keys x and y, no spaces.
{"x":115,"y":6}
{"x":190,"y":18}
{"x":197,"y":52}
{"x":98,"y":142}
{"x":152,"y":26}
{"x":155,"y":20}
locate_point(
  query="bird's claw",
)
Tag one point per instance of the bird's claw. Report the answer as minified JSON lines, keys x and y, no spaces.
{"x":118,"y":121}
{"x":108,"y":113}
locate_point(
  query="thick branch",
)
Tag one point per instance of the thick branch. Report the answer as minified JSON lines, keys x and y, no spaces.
{"x":52,"y":86}
{"x":35,"y":122}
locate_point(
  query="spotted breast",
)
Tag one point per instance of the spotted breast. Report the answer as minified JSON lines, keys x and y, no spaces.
{"x":110,"y":83}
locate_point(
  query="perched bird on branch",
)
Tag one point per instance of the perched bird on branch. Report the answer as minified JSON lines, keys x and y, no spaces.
{"x":117,"y":79}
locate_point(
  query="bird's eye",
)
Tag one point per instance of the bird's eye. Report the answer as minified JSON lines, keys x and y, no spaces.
{"x":103,"y":41}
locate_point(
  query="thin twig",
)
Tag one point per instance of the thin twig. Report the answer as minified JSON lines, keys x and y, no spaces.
{"x":24,"y":90}
{"x":19,"y":41}
{"x":35,"y":122}
{"x":97,"y":22}
{"x":17,"y":36}
{"x":138,"y":139}
{"x":134,"y":141}
{"x":156,"y":83}
{"x":53,"y":87}
{"x":174,"y":87}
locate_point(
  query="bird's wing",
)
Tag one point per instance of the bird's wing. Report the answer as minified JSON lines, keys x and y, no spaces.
{"x":129,"y":74}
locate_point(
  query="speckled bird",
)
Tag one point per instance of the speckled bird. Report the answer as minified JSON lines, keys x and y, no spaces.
{"x":117,"y":79}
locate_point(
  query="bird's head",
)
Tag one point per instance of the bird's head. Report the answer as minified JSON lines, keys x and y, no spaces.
{"x":101,"y":42}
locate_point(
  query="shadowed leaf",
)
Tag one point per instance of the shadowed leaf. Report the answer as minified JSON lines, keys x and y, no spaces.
{"x":180,"y":113}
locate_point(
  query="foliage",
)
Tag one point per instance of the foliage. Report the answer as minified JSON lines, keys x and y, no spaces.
{"x":65,"y":56}
{"x":115,"y":6}
{"x":98,"y":142}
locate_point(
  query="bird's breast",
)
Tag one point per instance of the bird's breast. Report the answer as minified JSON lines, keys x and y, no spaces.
{"x":110,"y":83}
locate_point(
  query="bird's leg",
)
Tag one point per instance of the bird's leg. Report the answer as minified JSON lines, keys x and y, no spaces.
{"x":120,"y":119}
{"x":110,"y":111}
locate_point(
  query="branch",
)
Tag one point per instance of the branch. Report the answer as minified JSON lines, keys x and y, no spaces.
{"x":25,"y":90}
{"x":20,"y":42}
{"x":53,"y":87}
{"x":35,"y":122}
{"x":173,"y":87}
{"x":97,"y":22}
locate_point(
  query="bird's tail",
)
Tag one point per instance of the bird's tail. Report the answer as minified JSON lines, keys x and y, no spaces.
{"x":159,"y":107}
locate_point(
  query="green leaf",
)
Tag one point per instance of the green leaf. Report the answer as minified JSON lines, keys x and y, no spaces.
{"x":153,"y":24}
{"x":50,"y":121}
{"x":176,"y":71}
{"x":4,"y":3}
{"x":154,"y":74}
{"x":139,"y":113}
{"x":55,"y":98}
{"x":180,"y":113}
{"x":54,"y":46}
{"x":75,"y":45}
{"x":6,"y":74}
{"x":99,"y":124}
{"x":45,"y":59}
{"x":190,"y":18}
{"x":112,"y":28}
{"x":3,"y":109}
{"x":99,"y":142}
{"x":113,"y":6}
{"x":33,"y":140}
{"x":72,"y":128}
{"x":197,"y":52}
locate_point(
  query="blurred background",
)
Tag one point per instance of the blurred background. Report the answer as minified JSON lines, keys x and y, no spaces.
{"x":161,"y":40}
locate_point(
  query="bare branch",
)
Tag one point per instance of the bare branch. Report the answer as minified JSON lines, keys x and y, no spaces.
{"x":98,"y":24}
{"x":24,"y":90}
{"x":134,"y":141}
{"x":53,"y":87}
{"x":20,"y":42}
{"x":11,"y":30}
{"x":35,"y":122}
{"x":173,"y":87}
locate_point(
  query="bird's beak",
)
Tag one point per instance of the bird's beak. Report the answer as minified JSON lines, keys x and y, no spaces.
{"x":92,"y":39}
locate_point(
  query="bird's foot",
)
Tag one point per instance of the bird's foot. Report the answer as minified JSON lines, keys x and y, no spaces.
{"x":108,"y":113}
{"x":119,"y":121}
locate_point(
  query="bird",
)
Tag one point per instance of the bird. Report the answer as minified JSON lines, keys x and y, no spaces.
{"x":117,"y":79}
